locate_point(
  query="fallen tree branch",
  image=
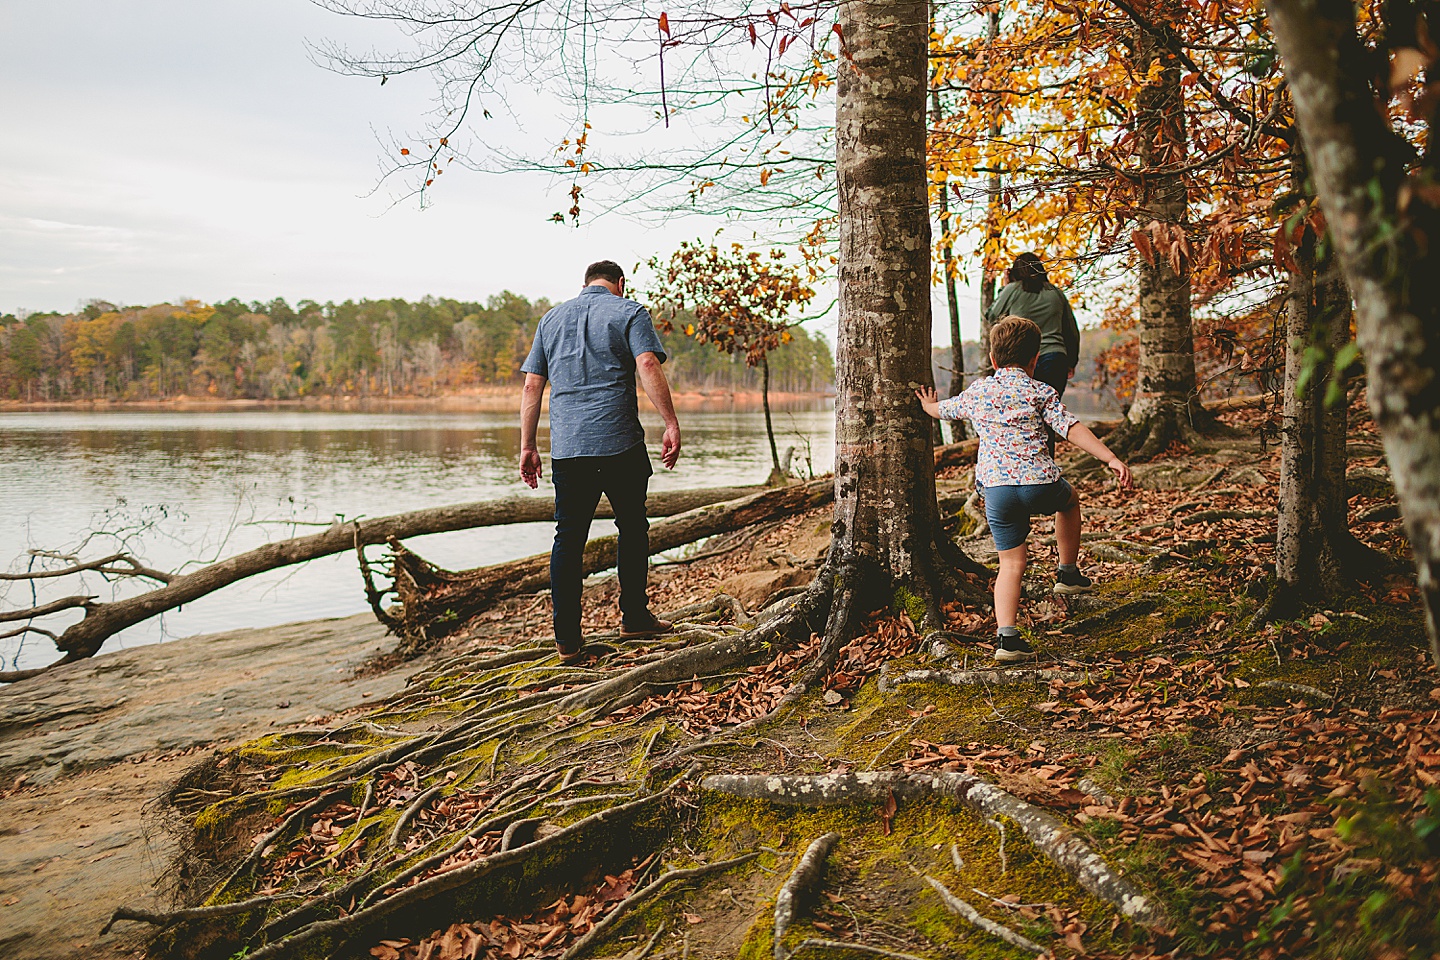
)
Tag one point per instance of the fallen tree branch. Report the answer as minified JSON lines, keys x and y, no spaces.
{"x":437,"y":602}
{"x":645,"y":893}
{"x":104,"y":620}
{"x":802,"y":879}
{"x":962,"y":909}
{"x":1050,"y":835}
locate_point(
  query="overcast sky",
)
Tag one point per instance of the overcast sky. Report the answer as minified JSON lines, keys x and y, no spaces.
{"x":163,"y":149}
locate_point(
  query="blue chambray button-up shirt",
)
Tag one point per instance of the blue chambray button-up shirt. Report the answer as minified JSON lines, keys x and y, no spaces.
{"x":586,"y":348}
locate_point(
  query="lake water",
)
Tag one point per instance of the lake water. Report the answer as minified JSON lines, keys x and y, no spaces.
{"x":188,"y":486}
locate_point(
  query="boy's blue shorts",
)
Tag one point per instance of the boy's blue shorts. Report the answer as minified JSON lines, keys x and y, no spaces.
{"x":1009,"y":509}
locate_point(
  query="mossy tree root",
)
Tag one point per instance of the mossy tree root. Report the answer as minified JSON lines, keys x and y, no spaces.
{"x":1013,"y":676}
{"x":1049,"y":834}
{"x":802,"y":881}
{"x":648,"y":892}
{"x":344,"y":928}
{"x":962,"y":909}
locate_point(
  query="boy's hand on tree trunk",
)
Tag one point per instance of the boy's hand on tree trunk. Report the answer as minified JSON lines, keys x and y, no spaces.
{"x":928,"y":401}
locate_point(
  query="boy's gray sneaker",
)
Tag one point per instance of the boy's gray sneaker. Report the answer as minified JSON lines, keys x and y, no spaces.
{"x":1069,"y":584}
{"x":1014,"y":649}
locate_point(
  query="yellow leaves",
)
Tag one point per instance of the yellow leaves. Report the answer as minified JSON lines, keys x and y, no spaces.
{"x":764,"y":177}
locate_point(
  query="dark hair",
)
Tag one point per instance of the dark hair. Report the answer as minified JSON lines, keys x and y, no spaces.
{"x":604,"y":270}
{"x":1029,"y":272}
{"x":1014,"y":341}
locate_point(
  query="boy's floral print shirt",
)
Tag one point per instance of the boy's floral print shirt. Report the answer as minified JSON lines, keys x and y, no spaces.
{"x":1010,"y":411}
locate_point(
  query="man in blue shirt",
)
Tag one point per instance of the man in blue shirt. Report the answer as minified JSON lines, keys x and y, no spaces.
{"x":591,"y":350}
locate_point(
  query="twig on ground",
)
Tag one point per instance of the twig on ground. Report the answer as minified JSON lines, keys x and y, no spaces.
{"x":962,"y":909}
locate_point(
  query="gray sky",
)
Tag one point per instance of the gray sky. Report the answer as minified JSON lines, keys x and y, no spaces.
{"x":163,"y":149}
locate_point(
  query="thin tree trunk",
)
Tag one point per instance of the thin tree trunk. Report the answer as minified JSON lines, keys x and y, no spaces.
{"x":1315,"y":555}
{"x":777,"y":475}
{"x":952,"y":302}
{"x":1165,"y":406}
{"x":992,"y":217}
{"x":886,"y":520}
{"x":1386,"y":229}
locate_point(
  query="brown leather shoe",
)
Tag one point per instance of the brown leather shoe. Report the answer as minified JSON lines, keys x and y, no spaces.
{"x":654,"y":627}
{"x":570,"y":654}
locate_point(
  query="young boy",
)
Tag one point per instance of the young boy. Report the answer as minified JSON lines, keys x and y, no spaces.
{"x":1015,"y":474}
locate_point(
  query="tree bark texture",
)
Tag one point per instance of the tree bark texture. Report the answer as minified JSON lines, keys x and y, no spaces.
{"x":777,"y":475}
{"x":1315,"y":555}
{"x":1385,"y":226}
{"x":104,"y":620}
{"x":886,"y":520}
{"x":1165,"y":406}
{"x":438,"y":602}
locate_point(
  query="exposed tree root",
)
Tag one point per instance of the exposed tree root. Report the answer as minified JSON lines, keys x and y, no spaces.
{"x":1013,"y":676}
{"x":843,"y":946}
{"x":1296,"y":689}
{"x":1050,"y":835}
{"x":802,"y":880}
{"x":647,"y":892}
{"x":962,"y":909}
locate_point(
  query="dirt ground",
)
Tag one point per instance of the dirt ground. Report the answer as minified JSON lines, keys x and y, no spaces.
{"x":87,"y":750}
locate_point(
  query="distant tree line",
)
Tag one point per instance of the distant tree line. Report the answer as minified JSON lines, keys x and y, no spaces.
{"x":369,"y":348}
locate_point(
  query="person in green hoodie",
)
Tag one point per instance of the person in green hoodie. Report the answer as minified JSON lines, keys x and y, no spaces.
{"x":1030,"y":294}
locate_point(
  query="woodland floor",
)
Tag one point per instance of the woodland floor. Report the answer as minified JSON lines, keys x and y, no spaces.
{"x":1275,"y":790}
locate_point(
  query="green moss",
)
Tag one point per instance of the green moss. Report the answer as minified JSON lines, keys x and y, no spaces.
{"x":909,"y":603}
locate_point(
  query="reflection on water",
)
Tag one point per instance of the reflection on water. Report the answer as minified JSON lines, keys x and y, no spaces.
{"x":206,"y":485}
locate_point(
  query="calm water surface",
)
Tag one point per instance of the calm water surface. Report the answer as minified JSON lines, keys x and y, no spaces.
{"x":186,"y":486}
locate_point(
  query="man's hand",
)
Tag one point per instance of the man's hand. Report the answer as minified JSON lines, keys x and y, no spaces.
{"x":1122,"y":473}
{"x":670,"y":446}
{"x":928,"y":401}
{"x":1071,"y":374}
{"x":530,"y":467}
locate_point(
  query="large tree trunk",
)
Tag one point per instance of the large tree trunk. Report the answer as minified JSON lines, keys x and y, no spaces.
{"x":1386,"y":228}
{"x":1165,"y":407}
{"x":887,"y":541}
{"x":1315,"y":555}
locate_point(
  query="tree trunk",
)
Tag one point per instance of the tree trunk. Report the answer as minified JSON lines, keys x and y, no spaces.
{"x":952,"y":301}
{"x":887,"y":542}
{"x":104,"y":620}
{"x":1386,"y":229}
{"x":1315,"y":555}
{"x":1165,"y":407}
{"x":992,"y":218}
{"x":776,"y":474}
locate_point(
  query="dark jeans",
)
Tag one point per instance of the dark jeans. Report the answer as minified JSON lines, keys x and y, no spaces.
{"x":579,"y":481}
{"x":1054,"y":369}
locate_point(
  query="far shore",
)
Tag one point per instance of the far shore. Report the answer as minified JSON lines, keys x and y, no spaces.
{"x":486,"y":399}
